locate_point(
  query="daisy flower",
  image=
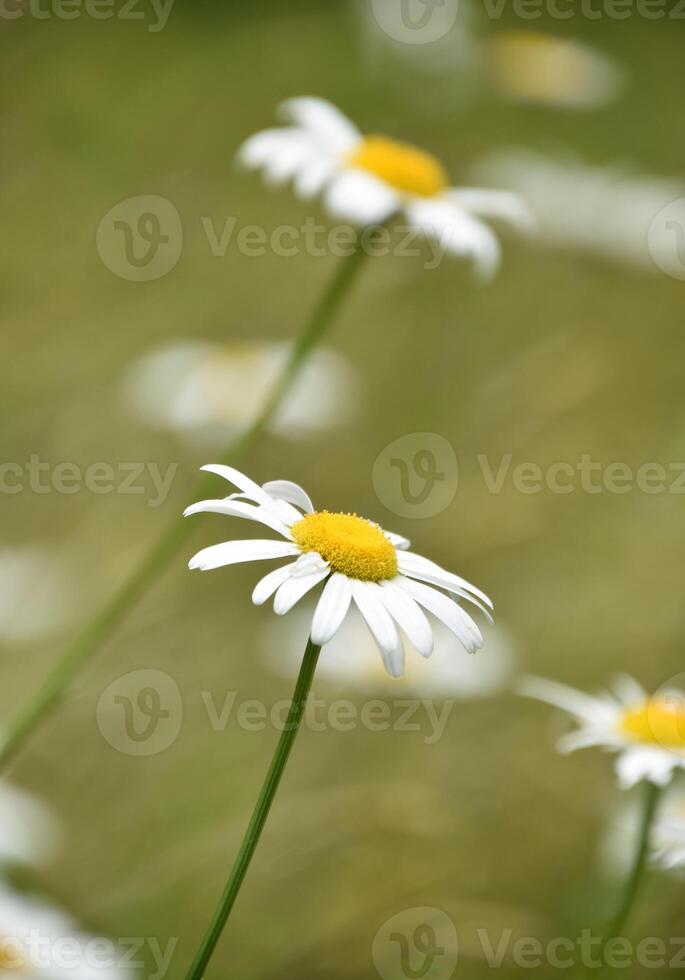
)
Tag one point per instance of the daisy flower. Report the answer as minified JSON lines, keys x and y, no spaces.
{"x":367,"y":179}
{"x":38,"y":939}
{"x":647,"y":732}
{"x":355,"y":559}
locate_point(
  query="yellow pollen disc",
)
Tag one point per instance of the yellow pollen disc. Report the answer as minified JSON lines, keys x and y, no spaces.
{"x":404,"y":167}
{"x":350,"y":544}
{"x":657,"y":722}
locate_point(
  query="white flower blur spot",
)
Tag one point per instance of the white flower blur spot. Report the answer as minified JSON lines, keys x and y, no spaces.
{"x":367,"y":179}
{"x":28,"y":829}
{"x":647,"y":733}
{"x":529,"y":66}
{"x":35,"y":595}
{"x":603,"y":211}
{"x":40,"y":940}
{"x":356,"y":561}
{"x":202,"y":390}
{"x":668,"y":832}
{"x":350,"y":661}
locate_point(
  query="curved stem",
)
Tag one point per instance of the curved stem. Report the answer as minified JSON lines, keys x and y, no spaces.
{"x":259,"y":814}
{"x":103,"y":624}
{"x":651,"y":802}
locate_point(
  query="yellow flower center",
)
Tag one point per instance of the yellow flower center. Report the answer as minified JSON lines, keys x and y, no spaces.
{"x":404,"y":167}
{"x":660,"y":721}
{"x":350,"y":544}
{"x":11,"y":957}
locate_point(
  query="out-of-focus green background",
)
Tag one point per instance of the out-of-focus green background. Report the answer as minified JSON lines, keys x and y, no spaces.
{"x":565,"y":354}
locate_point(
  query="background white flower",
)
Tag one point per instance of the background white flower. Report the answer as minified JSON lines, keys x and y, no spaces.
{"x":38,"y":940}
{"x":530,"y":66}
{"x":28,"y":829}
{"x":202,"y":390}
{"x":647,"y":732}
{"x":358,"y":560}
{"x":605,"y":211}
{"x":367,"y":179}
{"x":351,"y":660}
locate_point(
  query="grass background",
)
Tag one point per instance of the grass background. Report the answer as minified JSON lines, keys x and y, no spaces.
{"x":562,"y":355}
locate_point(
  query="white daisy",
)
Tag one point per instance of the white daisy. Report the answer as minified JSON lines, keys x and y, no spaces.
{"x":647,"y":732}
{"x":356,"y":559}
{"x":367,"y":179}
{"x":40,"y":940}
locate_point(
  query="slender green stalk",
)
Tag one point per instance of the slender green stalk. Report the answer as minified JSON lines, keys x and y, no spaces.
{"x":632,"y":888}
{"x":103,"y":624}
{"x":259,"y":814}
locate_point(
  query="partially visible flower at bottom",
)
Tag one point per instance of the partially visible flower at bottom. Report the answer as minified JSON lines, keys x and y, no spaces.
{"x":40,"y":940}
{"x":202,"y":389}
{"x":356,"y":559}
{"x":647,"y":732}
{"x":351,"y":661}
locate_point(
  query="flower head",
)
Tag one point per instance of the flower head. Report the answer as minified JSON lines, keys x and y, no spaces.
{"x":647,"y":732}
{"x":355,"y":559}
{"x":367,"y":179}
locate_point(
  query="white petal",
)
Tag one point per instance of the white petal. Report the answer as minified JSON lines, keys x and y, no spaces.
{"x":233,"y":552}
{"x":331,"y":608}
{"x":266,"y":586}
{"x":416,"y":566}
{"x":397,"y":540}
{"x":314,"y":176}
{"x":446,"y":610}
{"x":636,"y":764}
{"x":382,"y":627}
{"x":234,"y":508}
{"x":628,"y":691}
{"x":503,"y":205}
{"x":323,"y":119}
{"x":294,"y":588}
{"x":248,"y":487}
{"x":291,"y":493}
{"x":457,"y":232}
{"x":309,"y":562}
{"x":577,"y":703}
{"x":360,"y":198}
{"x":409,"y":616}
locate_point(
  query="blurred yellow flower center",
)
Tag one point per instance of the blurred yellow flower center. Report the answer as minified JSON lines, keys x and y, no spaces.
{"x":404,"y":167}
{"x":11,"y":957}
{"x":350,"y":544}
{"x":658,"y":722}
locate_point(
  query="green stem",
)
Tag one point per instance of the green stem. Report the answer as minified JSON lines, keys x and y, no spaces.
{"x":103,"y":624}
{"x":259,"y":814}
{"x":651,"y":803}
